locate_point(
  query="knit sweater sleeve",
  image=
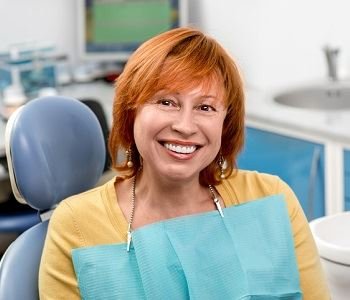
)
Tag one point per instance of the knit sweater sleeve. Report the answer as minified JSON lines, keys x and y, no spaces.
{"x":56,"y":275}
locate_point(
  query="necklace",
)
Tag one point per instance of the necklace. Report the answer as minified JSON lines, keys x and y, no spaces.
{"x":133,"y":198}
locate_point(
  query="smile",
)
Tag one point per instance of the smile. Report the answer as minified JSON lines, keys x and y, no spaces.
{"x":180,"y":149}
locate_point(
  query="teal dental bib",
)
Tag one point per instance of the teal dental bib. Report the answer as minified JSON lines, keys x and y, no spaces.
{"x":248,"y":254}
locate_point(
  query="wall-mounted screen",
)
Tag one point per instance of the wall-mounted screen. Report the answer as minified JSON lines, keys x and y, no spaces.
{"x":113,"y":29}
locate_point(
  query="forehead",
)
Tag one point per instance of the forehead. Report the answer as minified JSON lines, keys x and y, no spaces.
{"x":182,"y":75}
{"x":200,"y":87}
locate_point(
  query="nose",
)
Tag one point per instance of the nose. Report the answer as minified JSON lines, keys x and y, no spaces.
{"x":185,"y":123}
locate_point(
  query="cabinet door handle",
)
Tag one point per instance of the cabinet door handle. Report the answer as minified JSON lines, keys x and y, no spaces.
{"x":315,"y":162}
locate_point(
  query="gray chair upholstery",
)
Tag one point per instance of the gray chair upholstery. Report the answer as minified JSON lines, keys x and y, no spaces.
{"x":55,"y":148}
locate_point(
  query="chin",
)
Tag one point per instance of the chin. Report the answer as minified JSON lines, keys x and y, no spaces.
{"x":179,"y":175}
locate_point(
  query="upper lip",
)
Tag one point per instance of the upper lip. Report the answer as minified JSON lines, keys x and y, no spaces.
{"x":180,"y":143}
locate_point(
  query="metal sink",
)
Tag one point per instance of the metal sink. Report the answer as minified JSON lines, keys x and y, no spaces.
{"x":325,"y":97}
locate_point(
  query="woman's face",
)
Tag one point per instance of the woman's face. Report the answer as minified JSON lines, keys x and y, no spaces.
{"x":178,"y":134}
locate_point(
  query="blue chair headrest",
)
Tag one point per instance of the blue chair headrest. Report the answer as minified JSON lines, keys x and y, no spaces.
{"x":55,"y":148}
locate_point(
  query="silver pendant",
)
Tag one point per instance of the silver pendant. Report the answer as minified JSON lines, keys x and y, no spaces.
{"x":128,"y":243}
{"x":218,"y":206}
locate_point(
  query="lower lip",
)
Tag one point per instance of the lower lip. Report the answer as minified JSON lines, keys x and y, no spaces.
{"x":180,"y":156}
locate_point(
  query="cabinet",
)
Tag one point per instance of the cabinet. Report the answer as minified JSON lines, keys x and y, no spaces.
{"x":346,"y":179}
{"x":300,"y":163}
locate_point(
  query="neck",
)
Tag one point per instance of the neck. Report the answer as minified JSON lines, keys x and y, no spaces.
{"x":159,"y":202}
{"x":153,"y":201}
{"x":162,"y":193}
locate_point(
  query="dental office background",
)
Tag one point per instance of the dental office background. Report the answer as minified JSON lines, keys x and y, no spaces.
{"x":277,"y":43}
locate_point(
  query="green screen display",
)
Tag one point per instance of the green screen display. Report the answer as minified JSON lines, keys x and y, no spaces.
{"x":120,"y":26}
{"x":129,"y":21}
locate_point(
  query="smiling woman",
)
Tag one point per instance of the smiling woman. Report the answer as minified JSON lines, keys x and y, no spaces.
{"x":176,"y":61}
{"x":179,"y":221}
{"x":179,"y":135}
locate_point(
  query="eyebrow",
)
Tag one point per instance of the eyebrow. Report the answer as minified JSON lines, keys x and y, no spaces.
{"x":200,"y":96}
{"x":165,"y":92}
{"x":209,"y":96}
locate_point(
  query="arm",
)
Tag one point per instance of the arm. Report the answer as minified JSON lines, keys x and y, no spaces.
{"x":312,"y":279}
{"x":56,"y":275}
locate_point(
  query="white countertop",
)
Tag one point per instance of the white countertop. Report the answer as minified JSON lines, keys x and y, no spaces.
{"x":260,"y":110}
{"x":321,"y":124}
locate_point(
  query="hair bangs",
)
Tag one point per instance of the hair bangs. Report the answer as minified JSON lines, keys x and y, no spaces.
{"x":185,"y":74}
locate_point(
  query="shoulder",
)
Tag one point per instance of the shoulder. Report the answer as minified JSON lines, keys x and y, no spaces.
{"x":250,"y":184}
{"x":89,"y":199}
{"x":83,"y":207}
{"x":89,"y":218}
{"x":244,"y":186}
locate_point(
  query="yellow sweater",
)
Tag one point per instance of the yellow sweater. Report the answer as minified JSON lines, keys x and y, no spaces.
{"x":94,"y":218}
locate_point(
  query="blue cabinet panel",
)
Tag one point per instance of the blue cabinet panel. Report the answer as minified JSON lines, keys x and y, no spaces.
{"x":298,"y":162}
{"x":347,"y":179}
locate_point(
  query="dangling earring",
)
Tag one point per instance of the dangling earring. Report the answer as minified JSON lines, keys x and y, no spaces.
{"x":221,"y":163}
{"x":128,"y":154}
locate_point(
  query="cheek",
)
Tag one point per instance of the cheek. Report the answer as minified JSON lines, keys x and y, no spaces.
{"x":136,"y":131}
{"x":218,"y":140}
{"x":141,"y":129}
{"x":215,"y":131}
{"x":214,"y":137}
{"x":142,"y":121}
{"x":146,"y":126}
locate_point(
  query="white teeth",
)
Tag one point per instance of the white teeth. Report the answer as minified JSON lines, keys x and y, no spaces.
{"x":180,"y":149}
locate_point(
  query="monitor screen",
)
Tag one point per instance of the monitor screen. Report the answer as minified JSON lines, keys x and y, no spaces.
{"x":113,"y":29}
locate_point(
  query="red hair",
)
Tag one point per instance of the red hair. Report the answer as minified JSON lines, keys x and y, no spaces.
{"x":178,"y":59}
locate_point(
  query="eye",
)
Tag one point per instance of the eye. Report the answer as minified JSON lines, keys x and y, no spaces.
{"x":206,"y":107}
{"x":165,"y":102}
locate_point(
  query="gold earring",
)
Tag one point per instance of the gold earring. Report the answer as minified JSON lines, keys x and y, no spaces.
{"x":222,"y":167}
{"x":128,"y":154}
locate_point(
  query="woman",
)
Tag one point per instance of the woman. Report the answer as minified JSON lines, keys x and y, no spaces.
{"x":179,"y":221}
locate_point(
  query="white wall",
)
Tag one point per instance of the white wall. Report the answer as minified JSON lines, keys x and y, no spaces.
{"x":279,"y":42}
{"x":276,"y":42}
{"x":50,"y":21}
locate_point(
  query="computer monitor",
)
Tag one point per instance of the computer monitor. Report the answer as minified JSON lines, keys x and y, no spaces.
{"x":110,"y":30}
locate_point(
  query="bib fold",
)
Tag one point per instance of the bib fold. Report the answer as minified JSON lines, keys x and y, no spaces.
{"x":248,"y":254}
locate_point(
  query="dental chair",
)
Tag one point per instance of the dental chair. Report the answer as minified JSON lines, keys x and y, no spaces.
{"x":55,"y":148}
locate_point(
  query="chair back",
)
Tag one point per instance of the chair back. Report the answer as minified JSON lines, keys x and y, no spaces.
{"x":55,"y":148}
